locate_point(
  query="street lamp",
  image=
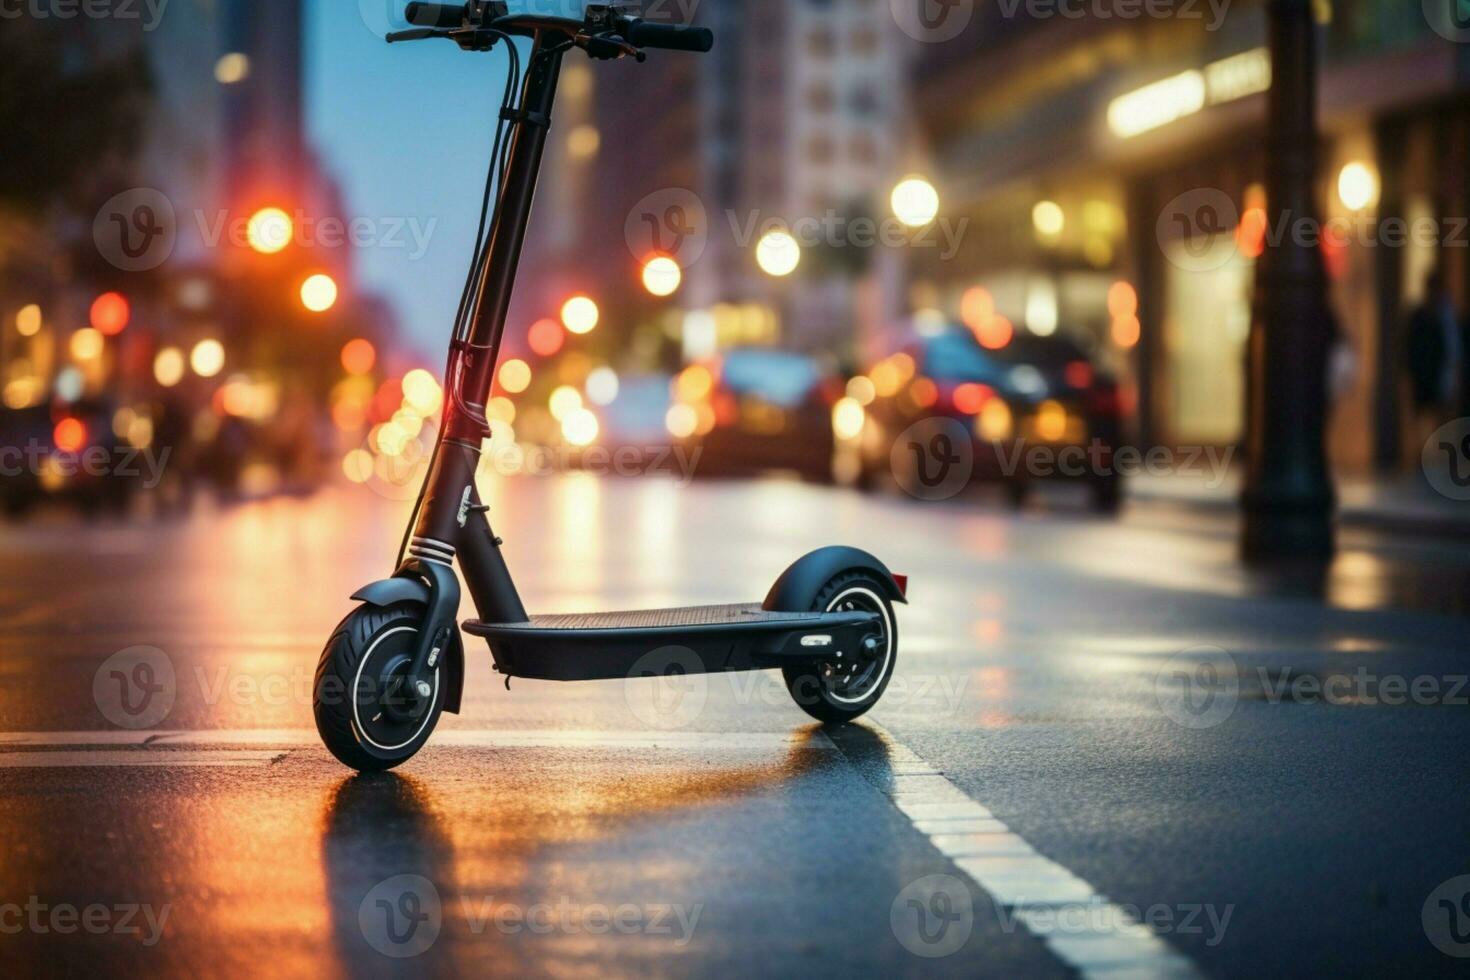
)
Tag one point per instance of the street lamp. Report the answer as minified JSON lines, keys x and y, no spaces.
{"x":915,"y":202}
{"x":269,"y":230}
{"x":777,"y":253}
{"x":662,"y":276}
{"x":580,"y":314}
{"x":207,"y":358}
{"x":319,"y":293}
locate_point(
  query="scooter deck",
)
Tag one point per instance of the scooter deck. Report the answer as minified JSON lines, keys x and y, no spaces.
{"x":695,"y":639}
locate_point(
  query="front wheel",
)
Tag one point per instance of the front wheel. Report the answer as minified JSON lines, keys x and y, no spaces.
{"x":845,"y":687}
{"x":365,"y":712}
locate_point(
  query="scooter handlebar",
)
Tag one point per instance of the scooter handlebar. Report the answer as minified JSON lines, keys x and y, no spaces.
{"x":642,"y":34}
{"x":436,"y":14}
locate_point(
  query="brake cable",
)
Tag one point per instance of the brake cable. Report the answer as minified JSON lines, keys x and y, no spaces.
{"x":494,"y":187}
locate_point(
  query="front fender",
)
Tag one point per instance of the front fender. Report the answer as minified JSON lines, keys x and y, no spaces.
{"x":797,"y":588}
{"x":392,"y":591}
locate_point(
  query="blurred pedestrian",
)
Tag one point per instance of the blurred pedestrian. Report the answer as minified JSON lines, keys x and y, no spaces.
{"x":1435,"y":355}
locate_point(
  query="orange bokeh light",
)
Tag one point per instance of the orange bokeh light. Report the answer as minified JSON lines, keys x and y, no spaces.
{"x":995,"y":333}
{"x":546,"y":337}
{"x":358,"y":356}
{"x":1122,"y":299}
{"x":977,"y":307}
{"x":70,"y":435}
{"x":970,"y":397}
{"x":1126,"y":331}
{"x":110,"y":314}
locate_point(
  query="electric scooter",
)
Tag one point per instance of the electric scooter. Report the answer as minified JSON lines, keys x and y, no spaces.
{"x":397,"y":661}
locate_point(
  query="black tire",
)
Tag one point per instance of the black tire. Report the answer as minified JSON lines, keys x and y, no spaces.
{"x":365,"y":649}
{"x":823,"y":691}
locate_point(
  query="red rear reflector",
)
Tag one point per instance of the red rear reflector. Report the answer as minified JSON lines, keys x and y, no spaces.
{"x":902,"y":581}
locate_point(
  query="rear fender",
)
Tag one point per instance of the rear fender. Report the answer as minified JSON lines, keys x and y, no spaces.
{"x":797,"y":588}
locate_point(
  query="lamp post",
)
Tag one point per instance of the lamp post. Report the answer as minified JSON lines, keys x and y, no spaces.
{"x":1288,"y":499}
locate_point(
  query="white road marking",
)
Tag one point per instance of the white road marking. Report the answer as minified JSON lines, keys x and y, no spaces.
{"x":113,"y":758}
{"x":472,"y":738}
{"x":1081,"y":927}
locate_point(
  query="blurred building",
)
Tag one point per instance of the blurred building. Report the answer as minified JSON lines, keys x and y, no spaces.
{"x":796,"y":114}
{"x":1112,"y":172}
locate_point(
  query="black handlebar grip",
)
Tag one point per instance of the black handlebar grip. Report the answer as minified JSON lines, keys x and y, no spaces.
{"x":645,"y":35}
{"x":436,"y":14}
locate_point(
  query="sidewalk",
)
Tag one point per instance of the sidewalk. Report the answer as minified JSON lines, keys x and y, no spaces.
{"x":1396,"y":503}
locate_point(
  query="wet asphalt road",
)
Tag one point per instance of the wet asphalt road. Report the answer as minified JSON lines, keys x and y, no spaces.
{"x":1130,"y":723}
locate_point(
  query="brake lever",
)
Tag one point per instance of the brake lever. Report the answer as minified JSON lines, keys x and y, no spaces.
{"x":417,"y":34}
{"x":606,"y":47}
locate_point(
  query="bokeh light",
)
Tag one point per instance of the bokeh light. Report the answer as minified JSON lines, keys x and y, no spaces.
{"x":319,"y":293}
{"x":109,"y":314}
{"x":915,"y":202}
{"x":778,"y":253}
{"x":580,"y":314}
{"x":358,"y":356}
{"x":269,"y":230}
{"x":545,"y":337}
{"x":207,"y":358}
{"x":662,"y":276}
{"x":28,"y":320}
{"x":515,"y":376}
{"x":168,"y":366}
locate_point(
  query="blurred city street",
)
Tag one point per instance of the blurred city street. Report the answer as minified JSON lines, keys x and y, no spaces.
{"x":1307,"y":798}
{"x":999,"y":473}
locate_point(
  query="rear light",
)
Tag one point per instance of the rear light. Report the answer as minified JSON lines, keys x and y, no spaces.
{"x":902,"y":581}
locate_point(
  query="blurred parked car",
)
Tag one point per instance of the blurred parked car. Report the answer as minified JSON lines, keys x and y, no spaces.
{"x":1034,"y":392}
{"x":68,"y":454}
{"x":756,"y":409}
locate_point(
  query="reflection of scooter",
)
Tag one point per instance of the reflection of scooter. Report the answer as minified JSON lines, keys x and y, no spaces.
{"x":396,"y":661}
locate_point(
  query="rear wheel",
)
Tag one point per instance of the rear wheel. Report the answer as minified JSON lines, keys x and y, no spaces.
{"x":846,"y":686}
{"x":365,"y":711}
